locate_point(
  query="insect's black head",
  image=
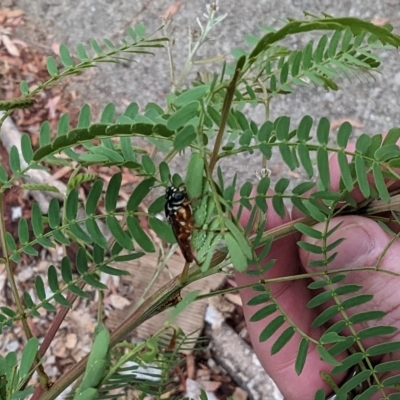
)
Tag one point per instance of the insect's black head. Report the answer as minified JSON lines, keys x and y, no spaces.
{"x":175,"y":198}
{"x":176,"y":194}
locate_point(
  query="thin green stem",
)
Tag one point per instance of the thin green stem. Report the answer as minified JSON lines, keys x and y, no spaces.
{"x":10,"y":273}
{"x":14,"y":290}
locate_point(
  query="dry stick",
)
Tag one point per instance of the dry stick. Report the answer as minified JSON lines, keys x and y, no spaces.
{"x":55,"y":325}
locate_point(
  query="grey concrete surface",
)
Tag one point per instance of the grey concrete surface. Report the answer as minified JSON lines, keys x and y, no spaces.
{"x":373,"y":103}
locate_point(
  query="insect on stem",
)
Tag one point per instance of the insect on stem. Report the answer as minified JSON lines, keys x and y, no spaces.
{"x":180,"y":216}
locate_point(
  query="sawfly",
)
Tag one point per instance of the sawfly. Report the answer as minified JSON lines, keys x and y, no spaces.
{"x":179,"y":214}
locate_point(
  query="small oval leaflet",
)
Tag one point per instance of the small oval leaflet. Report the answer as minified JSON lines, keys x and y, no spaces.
{"x":184,"y":115}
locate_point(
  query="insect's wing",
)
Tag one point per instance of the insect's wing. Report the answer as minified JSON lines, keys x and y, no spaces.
{"x":184,"y":244}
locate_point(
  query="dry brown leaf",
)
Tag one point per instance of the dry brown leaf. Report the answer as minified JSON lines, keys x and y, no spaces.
{"x":13,"y":13}
{"x":52,"y":106}
{"x":58,"y":174}
{"x":3,"y":17}
{"x":380,"y":21}
{"x":353,"y":122}
{"x":234,"y":298}
{"x":210,"y":386}
{"x":17,"y":21}
{"x":20,"y":42}
{"x":59,"y":348}
{"x":239,"y":394}
{"x":129,"y":177}
{"x":203,"y":374}
{"x":10,"y":46}
{"x":294,"y":174}
{"x":55,"y":47}
{"x":118,"y":302}
{"x":172,"y":10}
{"x":190,"y":366}
{"x":71,"y":339}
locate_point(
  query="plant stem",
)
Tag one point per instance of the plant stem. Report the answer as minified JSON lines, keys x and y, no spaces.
{"x":226,"y":107}
{"x":14,"y":289}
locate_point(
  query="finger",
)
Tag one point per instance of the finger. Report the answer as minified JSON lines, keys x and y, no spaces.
{"x":365,"y":245}
{"x":335,"y":178}
{"x":292,"y":297}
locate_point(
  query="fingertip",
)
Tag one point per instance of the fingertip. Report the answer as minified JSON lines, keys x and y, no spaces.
{"x":361,"y":242}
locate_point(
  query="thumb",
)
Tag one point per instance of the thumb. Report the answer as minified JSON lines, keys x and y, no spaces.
{"x":370,"y":257}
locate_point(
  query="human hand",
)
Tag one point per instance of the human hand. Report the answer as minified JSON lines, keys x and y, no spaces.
{"x":365,"y":242}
